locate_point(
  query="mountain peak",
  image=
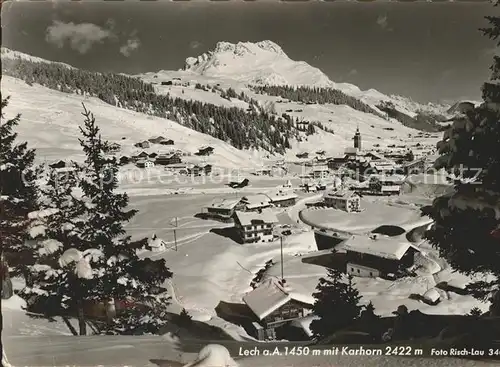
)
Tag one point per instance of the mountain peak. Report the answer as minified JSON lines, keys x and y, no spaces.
{"x":244,"y":48}
{"x":262,"y":62}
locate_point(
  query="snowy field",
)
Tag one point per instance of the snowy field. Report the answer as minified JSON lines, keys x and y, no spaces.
{"x":208,"y":266}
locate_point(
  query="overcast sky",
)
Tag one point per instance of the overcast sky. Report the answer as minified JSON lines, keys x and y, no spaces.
{"x":426,"y":51}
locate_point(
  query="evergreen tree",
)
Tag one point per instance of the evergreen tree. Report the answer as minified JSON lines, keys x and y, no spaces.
{"x":18,"y":193}
{"x":467,"y":220}
{"x":94,"y":260}
{"x":337,"y":304}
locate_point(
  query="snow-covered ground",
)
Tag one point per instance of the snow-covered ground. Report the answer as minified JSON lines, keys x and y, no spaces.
{"x":209,"y":267}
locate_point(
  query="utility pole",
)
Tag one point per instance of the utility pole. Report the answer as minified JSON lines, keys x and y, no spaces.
{"x":281,"y":247}
{"x":175,"y":233}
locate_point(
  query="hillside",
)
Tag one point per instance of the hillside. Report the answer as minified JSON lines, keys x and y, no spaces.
{"x":265,"y":63}
{"x":50,"y":121}
{"x":204,"y":98}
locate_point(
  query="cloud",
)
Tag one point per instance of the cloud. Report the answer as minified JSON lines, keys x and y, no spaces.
{"x":352,"y":72}
{"x":383,"y":22}
{"x":194,"y":45}
{"x":132,"y":44}
{"x":80,"y":37}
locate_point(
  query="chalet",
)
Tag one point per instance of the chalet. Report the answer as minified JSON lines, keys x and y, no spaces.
{"x":145,"y":163}
{"x":336,"y":163}
{"x":345,"y":200}
{"x":255,"y":227}
{"x":382,"y":166}
{"x":385,"y":185}
{"x":141,"y":155}
{"x":166,"y":142}
{"x":415,"y":167}
{"x":376,"y":256}
{"x":58,"y":164}
{"x":199,"y":170}
{"x":302,"y":125}
{"x":263,"y":172}
{"x":143,"y":144}
{"x":320,"y":172}
{"x":156,"y":140}
{"x":222,"y":210}
{"x":374,"y":156}
{"x":351,"y":152}
{"x":205,"y":151}
{"x":273,"y":305}
{"x":124,"y":160}
{"x":177,"y":167}
{"x":167,"y":159}
{"x":302,"y":155}
{"x":114,"y":147}
{"x":153,"y":155}
{"x":255,"y":202}
{"x":282,"y":198}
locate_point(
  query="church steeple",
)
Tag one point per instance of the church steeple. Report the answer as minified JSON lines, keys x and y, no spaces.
{"x":357,"y":139}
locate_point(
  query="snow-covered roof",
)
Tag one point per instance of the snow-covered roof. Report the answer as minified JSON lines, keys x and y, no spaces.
{"x":281,"y":195}
{"x":432,"y":295}
{"x":340,"y":194}
{"x":320,"y":169}
{"x":256,"y":201}
{"x":224,"y":203}
{"x":268,"y":297}
{"x":378,"y":246}
{"x":266,"y":216}
{"x":351,"y":150}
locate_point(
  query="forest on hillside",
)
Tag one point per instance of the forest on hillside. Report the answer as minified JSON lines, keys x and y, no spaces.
{"x":315,"y":95}
{"x":244,"y":129}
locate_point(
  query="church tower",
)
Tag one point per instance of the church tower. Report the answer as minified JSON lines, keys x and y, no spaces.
{"x":357,"y":139}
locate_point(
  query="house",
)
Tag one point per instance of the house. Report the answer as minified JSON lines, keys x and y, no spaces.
{"x":205,"y":151}
{"x":145,"y":163}
{"x":374,"y":255}
{"x":263,"y":172}
{"x":143,"y":144}
{"x":273,"y":304}
{"x":381,"y":166}
{"x":336,"y":163}
{"x":166,"y":142}
{"x":124,"y":160}
{"x":255,"y":227}
{"x":167,"y":159}
{"x":200,"y":170}
{"x":302,"y":155}
{"x":320,"y":172}
{"x":302,"y":125}
{"x":141,"y":155}
{"x":222,"y":210}
{"x":346,"y":200}
{"x":385,"y":185}
{"x":351,"y":152}
{"x":255,"y":202}
{"x":177,"y":167}
{"x":156,"y":140}
{"x":168,"y":82}
{"x":153,"y":155}
{"x":283,"y":198}
{"x":114,"y":147}
{"x":415,"y":167}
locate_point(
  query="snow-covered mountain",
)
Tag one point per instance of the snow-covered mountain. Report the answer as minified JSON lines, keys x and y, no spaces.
{"x":265,"y":63}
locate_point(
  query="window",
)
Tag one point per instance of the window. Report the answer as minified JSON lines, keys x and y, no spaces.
{"x":352,"y":269}
{"x":371,"y":274}
{"x":358,"y":271}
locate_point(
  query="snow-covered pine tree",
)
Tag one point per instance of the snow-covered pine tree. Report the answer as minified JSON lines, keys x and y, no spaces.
{"x":18,"y":193}
{"x":51,"y":234}
{"x":466,"y":220}
{"x":336,"y":304}
{"x":119,"y":275}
